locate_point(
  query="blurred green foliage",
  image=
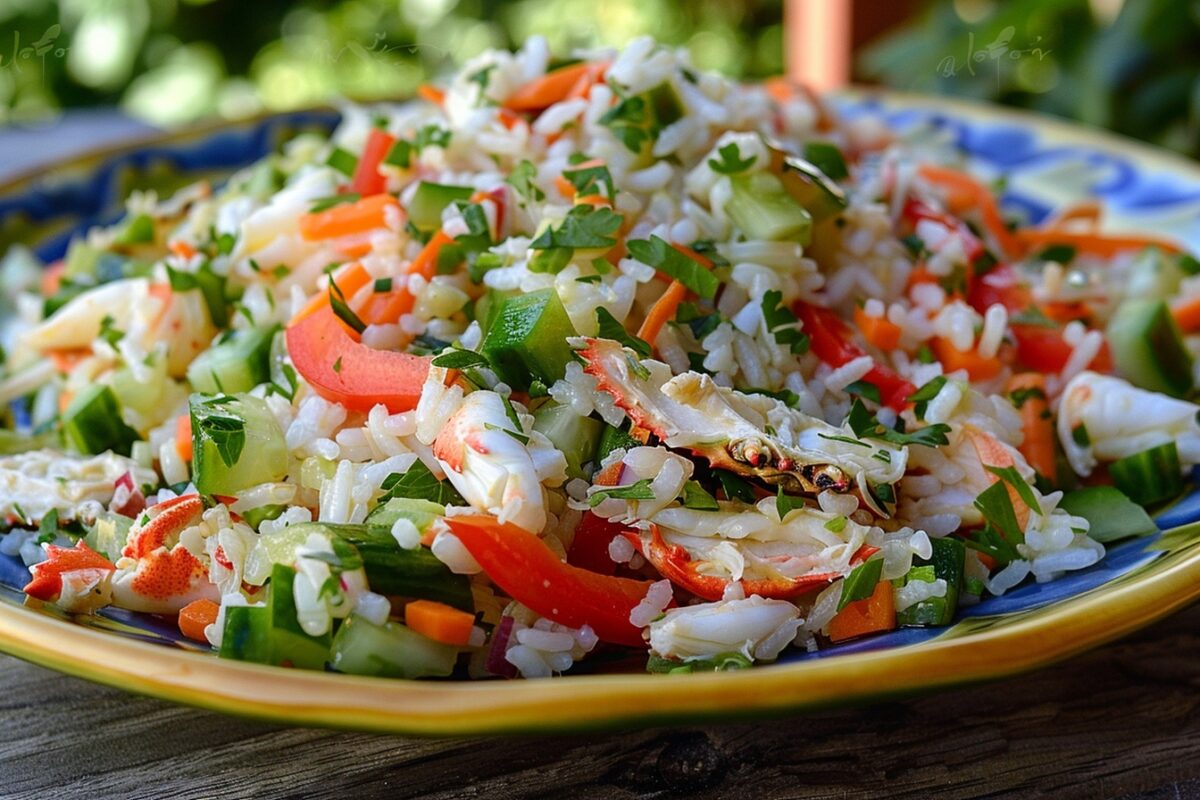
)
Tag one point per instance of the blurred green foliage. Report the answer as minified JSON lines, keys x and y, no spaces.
{"x":172,"y":61}
{"x":1131,"y":66}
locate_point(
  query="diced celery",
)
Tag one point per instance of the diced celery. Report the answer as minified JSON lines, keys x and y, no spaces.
{"x":575,"y":436}
{"x":528,"y":340}
{"x":389,"y":651}
{"x":762,"y":209}
{"x":421,"y":513}
{"x":236,"y":443}
{"x":92,"y":422}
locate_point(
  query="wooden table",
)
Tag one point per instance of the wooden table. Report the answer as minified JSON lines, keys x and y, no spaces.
{"x":1124,"y":720}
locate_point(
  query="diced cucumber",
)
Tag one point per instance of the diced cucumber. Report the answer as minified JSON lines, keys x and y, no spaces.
{"x":762,"y":209}
{"x":256,"y":516}
{"x":238,"y":362}
{"x":143,"y":396}
{"x":236,"y":443}
{"x":488,"y":306}
{"x":575,"y":436}
{"x":138,"y":229}
{"x":287,"y":643}
{"x":389,"y":651}
{"x":92,"y":422}
{"x":421,"y":513}
{"x":108,"y":534}
{"x":812,"y":188}
{"x":244,"y":637}
{"x":947,"y":562}
{"x":613,"y":438}
{"x":397,"y":572}
{"x":429,"y":200}
{"x":1148,"y":349}
{"x":528,"y":340}
{"x":1154,"y":275}
{"x":1150,"y":477}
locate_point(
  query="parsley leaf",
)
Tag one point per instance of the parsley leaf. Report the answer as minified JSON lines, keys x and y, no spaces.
{"x":734,"y":487}
{"x":866,"y":390}
{"x":1013,"y":478}
{"x":997,"y":509}
{"x":921,"y":397}
{"x":781,"y":323}
{"x":784,"y":503}
{"x":865,"y":425}
{"x":731,"y":161}
{"x":225,"y":431}
{"x":631,"y":121}
{"x":342,"y":309}
{"x":109,"y":331}
{"x":697,"y":498}
{"x":609,"y":328}
{"x":635,"y":491}
{"x":595,"y":179}
{"x":657,"y":253}
{"x":460,"y":359}
{"x":522,"y":180}
{"x":419,"y":483}
{"x":584,"y":227}
{"x":861,"y":582}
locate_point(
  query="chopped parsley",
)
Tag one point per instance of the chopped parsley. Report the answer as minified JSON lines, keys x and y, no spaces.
{"x":609,"y":328}
{"x":730,"y":161}
{"x":522,"y":180}
{"x":419,"y":483}
{"x":781,"y":323}
{"x":697,"y":498}
{"x":657,"y":253}
{"x":866,"y":426}
{"x":636,"y":491}
{"x":584,"y":227}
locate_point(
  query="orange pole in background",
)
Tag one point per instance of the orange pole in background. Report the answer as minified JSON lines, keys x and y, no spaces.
{"x":817,"y":42}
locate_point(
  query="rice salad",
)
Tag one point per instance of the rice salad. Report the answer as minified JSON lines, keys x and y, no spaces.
{"x":586,"y":360}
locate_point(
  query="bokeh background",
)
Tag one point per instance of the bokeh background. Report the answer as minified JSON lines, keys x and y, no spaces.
{"x":1131,"y":66}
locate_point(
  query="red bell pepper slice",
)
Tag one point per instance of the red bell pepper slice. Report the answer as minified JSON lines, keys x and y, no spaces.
{"x":830,"y":340}
{"x":367,"y":178}
{"x":346,"y":371}
{"x":532,"y":574}
{"x":1044,"y":350}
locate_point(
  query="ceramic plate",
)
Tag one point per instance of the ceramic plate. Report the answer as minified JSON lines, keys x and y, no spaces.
{"x":1046,"y":164}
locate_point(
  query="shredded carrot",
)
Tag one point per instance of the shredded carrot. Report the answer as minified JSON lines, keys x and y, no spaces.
{"x":1089,"y":211}
{"x":183,"y":436}
{"x":66,"y":360}
{"x":547,"y":90}
{"x":52,"y":278}
{"x":1187,"y":314}
{"x":920,"y":275}
{"x":564,"y":186}
{"x":978,"y":367}
{"x":439,"y":622}
{"x":431,"y":93}
{"x":181,"y":248}
{"x":987,"y":560}
{"x":873,"y":614}
{"x":1092,"y":243}
{"x":1064,"y":312}
{"x":963,"y":187}
{"x":879,"y":331}
{"x":195,"y":617}
{"x":1038,"y":443}
{"x":426,"y":262}
{"x":349,"y":278}
{"x":662,"y":312}
{"x":593,"y":75}
{"x":360,"y":216}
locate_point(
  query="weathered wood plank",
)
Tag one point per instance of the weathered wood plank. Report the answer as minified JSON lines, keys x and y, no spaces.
{"x":1123,"y":720}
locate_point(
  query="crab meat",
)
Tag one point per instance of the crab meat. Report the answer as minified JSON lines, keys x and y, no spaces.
{"x":76,"y":579}
{"x":1120,"y":420}
{"x":752,"y":435}
{"x":757,"y":628}
{"x":493,"y":470}
{"x":157,"y":573}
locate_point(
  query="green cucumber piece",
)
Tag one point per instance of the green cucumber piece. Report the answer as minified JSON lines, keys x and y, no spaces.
{"x":389,"y":651}
{"x":612,"y":438}
{"x":528,"y":340}
{"x":136,"y":230}
{"x":1148,"y":349}
{"x":1150,"y":477}
{"x":92,"y":423}
{"x":812,"y":188}
{"x":575,"y":436}
{"x":287,"y":643}
{"x":429,"y":200}
{"x":108,"y":534}
{"x":238,"y":362}
{"x":1154,"y":275}
{"x":396,"y":572}
{"x":947,"y":561}
{"x":421,"y":513}
{"x":666,"y":104}
{"x":762,"y":209}
{"x":236,"y":443}
{"x":1111,"y":515}
{"x":245,"y":635}
{"x":488,"y":306}
{"x":256,"y":516}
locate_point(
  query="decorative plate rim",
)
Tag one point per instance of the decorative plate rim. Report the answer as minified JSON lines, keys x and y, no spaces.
{"x":1044,"y":636}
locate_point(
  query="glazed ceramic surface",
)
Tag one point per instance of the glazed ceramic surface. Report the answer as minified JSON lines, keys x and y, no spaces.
{"x":1044,"y":164}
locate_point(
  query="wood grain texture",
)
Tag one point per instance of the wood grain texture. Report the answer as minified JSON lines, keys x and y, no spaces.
{"x":1122,"y":721}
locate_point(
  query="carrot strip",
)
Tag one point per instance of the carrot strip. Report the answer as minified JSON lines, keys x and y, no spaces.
{"x":873,"y":614}
{"x":350,"y":279}
{"x":439,"y":622}
{"x":183,"y":436}
{"x":978,"y":367}
{"x":1038,"y":443}
{"x":65,"y":360}
{"x":1093,"y":243}
{"x":1187,"y":314}
{"x":195,"y":617}
{"x":181,"y":249}
{"x":431,"y":93}
{"x":662,"y":311}
{"x":1089,"y":211}
{"x":52,"y":278}
{"x":963,"y":187}
{"x":348,"y":218}
{"x":426,"y":262}
{"x":543,"y":92}
{"x":879,"y":331}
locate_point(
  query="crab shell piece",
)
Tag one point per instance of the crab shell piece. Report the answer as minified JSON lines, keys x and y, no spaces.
{"x":77,"y":579}
{"x":753,"y":435}
{"x":157,"y":576}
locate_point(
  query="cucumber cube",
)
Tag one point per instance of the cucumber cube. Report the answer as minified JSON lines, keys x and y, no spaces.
{"x":528,"y":340}
{"x":92,"y":423}
{"x":236,"y":443}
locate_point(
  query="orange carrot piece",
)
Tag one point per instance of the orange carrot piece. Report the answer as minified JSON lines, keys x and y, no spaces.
{"x":360,"y":216}
{"x":426,"y":262}
{"x":66,"y":360}
{"x":183,"y":436}
{"x":1089,"y":211}
{"x":431,"y":93}
{"x":1187,"y":314}
{"x":52,"y":278}
{"x":994,"y":454}
{"x":1038,"y":444}
{"x":879,"y":331}
{"x":543,"y":92}
{"x":874,"y":614}
{"x":349,"y":278}
{"x":965,"y":188}
{"x":593,"y":75}
{"x":662,"y":312}
{"x":564,"y":186}
{"x":1092,"y":243}
{"x":195,"y":617}
{"x":439,"y":622}
{"x":978,"y":368}
{"x":181,"y":248}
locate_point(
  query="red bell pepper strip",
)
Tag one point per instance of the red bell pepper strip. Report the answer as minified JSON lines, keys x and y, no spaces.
{"x":675,"y":564}
{"x":367,"y":178}
{"x":346,"y":371}
{"x":1044,"y":350}
{"x":47,"y":580}
{"x":532,"y":574}
{"x":830,"y":339}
